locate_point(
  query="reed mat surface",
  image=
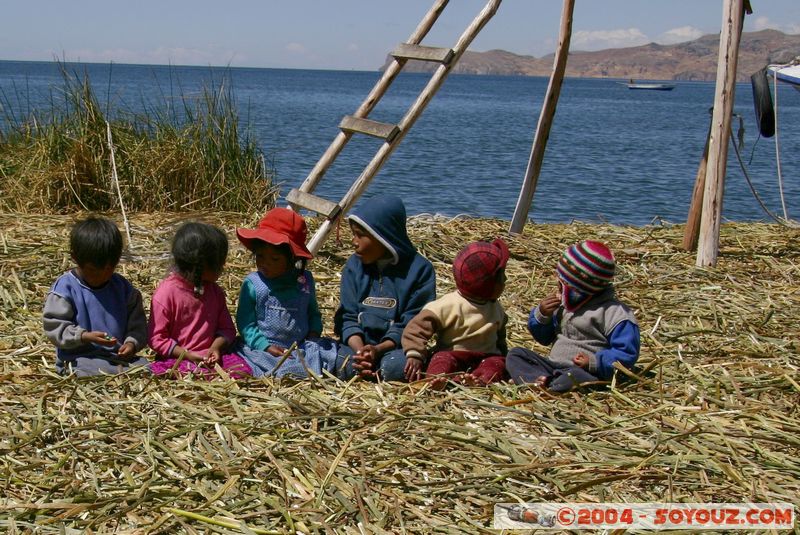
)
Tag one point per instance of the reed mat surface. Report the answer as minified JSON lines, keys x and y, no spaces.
{"x":710,"y":416}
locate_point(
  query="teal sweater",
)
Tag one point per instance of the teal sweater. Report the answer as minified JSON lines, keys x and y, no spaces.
{"x":284,"y":287}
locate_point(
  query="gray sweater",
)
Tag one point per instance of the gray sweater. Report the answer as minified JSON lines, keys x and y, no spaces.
{"x":586,"y":330}
{"x":70,"y":308}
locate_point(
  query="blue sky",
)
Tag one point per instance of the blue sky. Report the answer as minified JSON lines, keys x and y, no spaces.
{"x":342,"y":34}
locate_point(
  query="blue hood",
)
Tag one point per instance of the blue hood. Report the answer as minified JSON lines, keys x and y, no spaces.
{"x":384,"y":217}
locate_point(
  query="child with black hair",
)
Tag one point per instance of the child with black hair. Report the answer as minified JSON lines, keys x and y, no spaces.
{"x":93,"y":315}
{"x":190,"y":326}
{"x":278,"y":302}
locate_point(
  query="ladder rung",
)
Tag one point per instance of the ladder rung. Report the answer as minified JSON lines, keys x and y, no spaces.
{"x":423,"y":53}
{"x":329,"y":209}
{"x":371,"y":128}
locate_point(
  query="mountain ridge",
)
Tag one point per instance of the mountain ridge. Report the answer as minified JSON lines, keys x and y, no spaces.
{"x":692,"y":60}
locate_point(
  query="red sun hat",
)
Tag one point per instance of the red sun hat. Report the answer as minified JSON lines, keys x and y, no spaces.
{"x":279,"y":226}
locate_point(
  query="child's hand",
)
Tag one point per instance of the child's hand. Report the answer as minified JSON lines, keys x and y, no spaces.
{"x":275,"y":351}
{"x":212,"y":357}
{"x":98,"y":337}
{"x":127,"y":350}
{"x":549,"y":304}
{"x":581,"y":360}
{"x":364,"y":359}
{"x":413,"y":369}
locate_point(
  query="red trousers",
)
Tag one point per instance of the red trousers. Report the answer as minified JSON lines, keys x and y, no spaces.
{"x":486,"y":367}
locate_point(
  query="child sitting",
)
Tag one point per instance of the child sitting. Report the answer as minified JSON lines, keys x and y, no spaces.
{"x":93,"y":315}
{"x":190,"y":326}
{"x":589,"y":329}
{"x":469,"y":323}
{"x":384,"y":284}
{"x":278,"y":302}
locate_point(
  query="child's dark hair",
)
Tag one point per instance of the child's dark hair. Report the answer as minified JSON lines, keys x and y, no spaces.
{"x":197,"y":247}
{"x":96,"y":241}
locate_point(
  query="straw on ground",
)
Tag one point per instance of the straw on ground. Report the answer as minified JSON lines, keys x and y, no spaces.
{"x":715,"y":418}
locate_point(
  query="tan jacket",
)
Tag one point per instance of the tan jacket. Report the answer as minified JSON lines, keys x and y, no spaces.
{"x":459,"y":324}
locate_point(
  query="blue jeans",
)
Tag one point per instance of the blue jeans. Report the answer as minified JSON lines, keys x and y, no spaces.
{"x":390,"y":366}
{"x":88,"y":366}
{"x":525,"y":366}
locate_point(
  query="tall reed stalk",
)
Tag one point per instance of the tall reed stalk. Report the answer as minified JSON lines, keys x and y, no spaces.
{"x":200,"y":156}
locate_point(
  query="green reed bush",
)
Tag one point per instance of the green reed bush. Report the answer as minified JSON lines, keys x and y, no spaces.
{"x":58,"y":159}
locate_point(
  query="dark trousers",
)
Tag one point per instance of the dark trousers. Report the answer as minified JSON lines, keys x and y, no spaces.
{"x":486,"y":367}
{"x":526,"y":366}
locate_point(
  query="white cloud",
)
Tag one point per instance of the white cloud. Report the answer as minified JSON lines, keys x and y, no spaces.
{"x":161,"y":55}
{"x":192,"y":56}
{"x":295,"y":48}
{"x":679,"y":35}
{"x":598,"y":40}
{"x":352,"y":47}
{"x":305,"y":57}
{"x":764,"y":23}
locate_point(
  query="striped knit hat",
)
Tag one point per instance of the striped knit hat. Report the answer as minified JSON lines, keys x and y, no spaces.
{"x":587,"y":266}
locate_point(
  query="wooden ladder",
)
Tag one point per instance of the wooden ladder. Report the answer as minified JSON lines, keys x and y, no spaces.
{"x":392,"y":134}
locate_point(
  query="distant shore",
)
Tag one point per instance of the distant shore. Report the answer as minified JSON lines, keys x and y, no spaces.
{"x":689,"y":61}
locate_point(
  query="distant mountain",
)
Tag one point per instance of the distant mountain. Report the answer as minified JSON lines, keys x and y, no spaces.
{"x":693,"y":60}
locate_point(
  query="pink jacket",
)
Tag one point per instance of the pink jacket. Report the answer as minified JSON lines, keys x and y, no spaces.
{"x":178,"y":317}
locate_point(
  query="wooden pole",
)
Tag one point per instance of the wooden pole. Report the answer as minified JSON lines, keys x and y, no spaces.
{"x":545,"y":121}
{"x":369,"y":103}
{"x":692,"y":229}
{"x":732,"y":22}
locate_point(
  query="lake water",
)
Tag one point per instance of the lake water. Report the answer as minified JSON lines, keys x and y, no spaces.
{"x":616,"y":155}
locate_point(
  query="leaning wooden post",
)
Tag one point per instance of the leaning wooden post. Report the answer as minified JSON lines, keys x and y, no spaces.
{"x":405,"y":124}
{"x":692,"y":228}
{"x":545,"y":121}
{"x":732,"y":22}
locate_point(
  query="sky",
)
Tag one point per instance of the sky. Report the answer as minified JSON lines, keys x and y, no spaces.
{"x":342,"y":34}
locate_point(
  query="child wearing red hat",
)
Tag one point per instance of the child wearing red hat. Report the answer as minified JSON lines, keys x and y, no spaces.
{"x":588,"y":327}
{"x":278,"y":302}
{"x":469,"y":323}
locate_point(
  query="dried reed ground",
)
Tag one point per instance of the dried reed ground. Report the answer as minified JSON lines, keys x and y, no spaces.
{"x":715,"y":418}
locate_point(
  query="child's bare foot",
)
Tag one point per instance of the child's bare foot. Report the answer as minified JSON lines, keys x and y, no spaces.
{"x":541,"y":381}
{"x":438,"y":382}
{"x":469,"y":379}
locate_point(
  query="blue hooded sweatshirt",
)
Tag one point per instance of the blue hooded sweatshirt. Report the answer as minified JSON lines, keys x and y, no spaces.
{"x":378,"y":300}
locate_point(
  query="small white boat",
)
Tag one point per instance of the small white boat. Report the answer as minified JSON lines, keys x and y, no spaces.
{"x":788,"y":74}
{"x":650,"y":86}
